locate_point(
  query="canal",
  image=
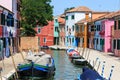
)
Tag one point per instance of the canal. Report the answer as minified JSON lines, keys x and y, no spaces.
{"x":65,"y":70}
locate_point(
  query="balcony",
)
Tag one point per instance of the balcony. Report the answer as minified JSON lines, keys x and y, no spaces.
{"x":102,"y":33}
{"x":81,"y":34}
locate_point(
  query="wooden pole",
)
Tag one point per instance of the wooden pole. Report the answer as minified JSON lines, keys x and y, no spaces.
{"x":14,"y":64}
{"x":83,"y":52}
{"x":98,"y":65}
{"x":0,"y":73}
{"x":88,"y":54}
{"x":22,"y":55}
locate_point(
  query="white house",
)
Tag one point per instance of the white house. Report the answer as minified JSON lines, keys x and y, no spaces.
{"x":73,"y":16}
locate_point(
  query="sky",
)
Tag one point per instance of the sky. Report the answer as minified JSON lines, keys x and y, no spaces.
{"x":95,"y":5}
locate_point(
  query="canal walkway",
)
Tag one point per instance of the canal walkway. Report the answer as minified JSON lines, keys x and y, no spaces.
{"x":95,"y":58}
{"x":7,"y":65}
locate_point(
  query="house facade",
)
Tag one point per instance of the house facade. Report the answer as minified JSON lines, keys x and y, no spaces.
{"x":92,"y":27}
{"x":11,"y":10}
{"x":106,"y":35}
{"x":61,"y":31}
{"x":45,"y":34}
{"x":72,"y":17}
{"x":56,"y":31}
{"x":7,"y":31}
{"x":115,"y":34}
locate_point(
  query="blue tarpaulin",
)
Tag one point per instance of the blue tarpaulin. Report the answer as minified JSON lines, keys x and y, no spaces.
{"x":89,"y":74}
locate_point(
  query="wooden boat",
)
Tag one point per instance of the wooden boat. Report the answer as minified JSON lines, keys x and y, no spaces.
{"x":89,"y":74}
{"x":80,"y":61}
{"x":37,"y":66}
{"x":70,"y":50}
{"x":44,"y":47}
{"x":74,"y":54}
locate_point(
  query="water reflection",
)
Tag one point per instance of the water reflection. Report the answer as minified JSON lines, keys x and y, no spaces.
{"x":65,"y":70}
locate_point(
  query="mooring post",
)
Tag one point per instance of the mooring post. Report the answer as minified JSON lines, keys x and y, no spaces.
{"x":103,"y":68}
{"x":95,"y":62}
{"x":0,"y":73}
{"x":88,"y":54}
{"x":98,"y":66}
{"x":111,"y":73}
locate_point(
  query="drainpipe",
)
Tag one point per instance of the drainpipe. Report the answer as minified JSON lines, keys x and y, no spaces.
{"x":85,"y":30}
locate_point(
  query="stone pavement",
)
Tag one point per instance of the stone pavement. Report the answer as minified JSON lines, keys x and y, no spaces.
{"x":94,"y":57}
{"x":7,"y":65}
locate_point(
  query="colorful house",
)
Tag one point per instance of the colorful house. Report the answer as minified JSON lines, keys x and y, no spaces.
{"x":72,"y":17}
{"x":14,"y":7}
{"x":92,"y":29}
{"x":45,"y":34}
{"x":116,"y":34}
{"x":103,"y":34}
{"x":56,"y":31}
{"x":83,"y":30}
{"x":61,"y":21}
{"x":7,"y":31}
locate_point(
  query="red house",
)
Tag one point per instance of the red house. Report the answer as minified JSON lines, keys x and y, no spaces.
{"x":45,"y":34}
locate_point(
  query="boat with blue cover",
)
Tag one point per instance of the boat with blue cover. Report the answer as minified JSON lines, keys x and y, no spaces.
{"x":36,"y":66}
{"x":89,"y":74}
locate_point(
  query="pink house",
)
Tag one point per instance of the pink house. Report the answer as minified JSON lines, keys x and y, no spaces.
{"x":106,"y":34}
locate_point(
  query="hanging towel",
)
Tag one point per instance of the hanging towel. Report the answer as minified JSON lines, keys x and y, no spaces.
{"x":7,"y":52}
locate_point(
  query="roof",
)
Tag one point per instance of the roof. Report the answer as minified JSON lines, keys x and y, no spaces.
{"x":99,"y":16}
{"x":79,"y":9}
{"x":6,"y":9}
{"x":61,"y":20}
{"x":108,"y":16}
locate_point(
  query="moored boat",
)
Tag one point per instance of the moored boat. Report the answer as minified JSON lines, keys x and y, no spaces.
{"x":41,"y":65}
{"x":89,"y":74}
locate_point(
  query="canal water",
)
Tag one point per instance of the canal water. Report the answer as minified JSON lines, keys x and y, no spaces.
{"x":65,"y":70}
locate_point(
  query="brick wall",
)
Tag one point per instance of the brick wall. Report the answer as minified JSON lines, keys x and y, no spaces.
{"x":29,"y":43}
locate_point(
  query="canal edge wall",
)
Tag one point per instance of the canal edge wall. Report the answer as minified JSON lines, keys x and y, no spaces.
{"x":107,"y":60}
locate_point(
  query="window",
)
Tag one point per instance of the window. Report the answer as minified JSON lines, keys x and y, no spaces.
{"x":72,"y":17}
{"x":97,"y":41}
{"x":56,"y":29}
{"x":77,"y":28}
{"x":98,"y":27}
{"x":39,"y":30}
{"x":94,"y":40}
{"x":82,"y":28}
{"x":56,"y":20}
{"x":44,"y":40}
{"x":118,"y":24}
{"x":83,"y":40}
{"x":67,"y":39}
{"x":73,"y":27}
{"x":10,"y":20}
{"x":92,"y":28}
{"x":3,"y":19}
{"x":114,"y":44}
{"x":88,"y":41}
{"x":101,"y":41}
{"x":18,"y":23}
{"x":18,"y":7}
{"x":118,"y":44}
{"x":66,"y":17}
{"x":67,"y":28}
{"x":115,"y":25}
{"x":72,"y":39}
